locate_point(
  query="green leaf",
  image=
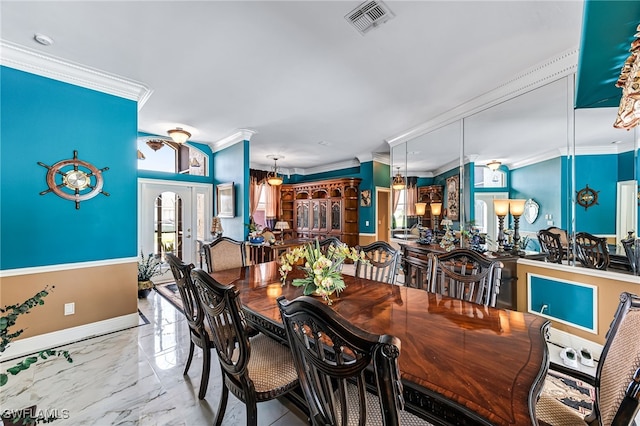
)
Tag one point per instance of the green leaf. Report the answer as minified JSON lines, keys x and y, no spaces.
{"x":3,"y":379}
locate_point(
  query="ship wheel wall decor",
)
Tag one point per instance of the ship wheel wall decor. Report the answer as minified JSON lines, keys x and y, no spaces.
{"x":587,"y":197}
{"x":74,"y":179}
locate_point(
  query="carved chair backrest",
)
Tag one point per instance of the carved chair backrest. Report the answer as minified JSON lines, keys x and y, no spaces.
{"x":224,"y":253}
{"x":328,"y":245}
{"x":619,"y":360}
{"x":331,"y":357}
{"x":224,"y":316}
{"x":592,"y":251}
{"x":632,"y":250}
{"x":382,"y":262}
{"x":551,"y":244}
{"x":467,"y":275}
{"x":190,"y":305}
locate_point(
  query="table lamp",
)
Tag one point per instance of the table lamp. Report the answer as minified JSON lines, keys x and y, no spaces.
{"x":436,"y":209}
{"x":516,"y":208}
{"x":421,"y":209}
{"x":501,"y":207}
{"x":281,"y":226}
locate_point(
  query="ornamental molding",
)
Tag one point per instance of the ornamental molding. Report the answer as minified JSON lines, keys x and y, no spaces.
{"x":28,"y":60}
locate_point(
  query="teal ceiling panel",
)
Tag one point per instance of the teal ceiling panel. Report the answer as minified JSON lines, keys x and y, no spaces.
{"x":607,"y":32}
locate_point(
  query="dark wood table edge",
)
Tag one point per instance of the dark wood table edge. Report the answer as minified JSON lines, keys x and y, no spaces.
{"x":424,"y":403}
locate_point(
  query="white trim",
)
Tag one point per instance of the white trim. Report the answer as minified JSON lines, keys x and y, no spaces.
{"x":54,"y":339}
{"x":594,"y":312}
{"x":238,"y":136}
{"x":65,"y":267}
{"x":583,"y":271}
{"x":562,"y":65}
{"x":330,"y":167}
{"x":24,"y":59}
{"x":173,"y":182}
{"x":568,"y":340}
{"x":362,"y":234}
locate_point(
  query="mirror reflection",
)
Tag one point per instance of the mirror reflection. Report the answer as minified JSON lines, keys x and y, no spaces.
{"x":533,"y":146}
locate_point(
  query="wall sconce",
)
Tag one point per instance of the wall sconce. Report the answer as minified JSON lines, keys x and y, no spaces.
{"x":141,"y":155}
{"x":501,"y":208}
{"x":216,"y":227}
{"x":421,"y":209}
{"x":179,"y":135}
{"x":398,"y":181}
{"x":436,"y":210}
{"x":516,"y":208}
{"x":494,"y":165}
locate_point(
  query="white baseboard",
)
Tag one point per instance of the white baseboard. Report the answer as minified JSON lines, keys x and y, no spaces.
{"x":54,"y":339}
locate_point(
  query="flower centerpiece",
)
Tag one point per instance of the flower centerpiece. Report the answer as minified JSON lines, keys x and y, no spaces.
{"x":448,"y":239}
{"x":254,"y":232}
{"x":322,"y":270}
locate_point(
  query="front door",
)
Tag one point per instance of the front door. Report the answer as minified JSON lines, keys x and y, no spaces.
{"x":172,"y":217}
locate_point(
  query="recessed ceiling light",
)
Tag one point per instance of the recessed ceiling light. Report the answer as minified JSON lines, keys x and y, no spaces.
{"x":43,"y":39}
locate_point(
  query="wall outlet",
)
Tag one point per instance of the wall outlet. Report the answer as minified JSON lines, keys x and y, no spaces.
{"x":366,"y":223}
{"x":69,"y":308}
{"x":550,"y":222}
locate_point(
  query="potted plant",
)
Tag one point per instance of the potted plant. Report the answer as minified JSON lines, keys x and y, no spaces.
{"x":148,"y":267}
{"x":10,"y":314}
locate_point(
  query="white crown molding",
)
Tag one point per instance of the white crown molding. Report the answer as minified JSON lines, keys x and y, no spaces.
{"x":65,"y":267}
{"x":55,"y":339}
{"x":564,"y":64}
{"x":24,"y":59}
{"x":330,"y":167}
{"x":538,"y":158}
{"x":237,"y":136}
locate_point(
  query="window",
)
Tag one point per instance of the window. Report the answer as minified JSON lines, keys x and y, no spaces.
{"x":399,"y":214}
{"x":162,"y":155}
{"x":487,"y":178}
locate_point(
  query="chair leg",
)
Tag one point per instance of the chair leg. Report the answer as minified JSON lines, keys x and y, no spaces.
{"x":206,"y":368}
{"x":223,"y":404}
{"x":186,"y":368}
{"x":252,"y":413}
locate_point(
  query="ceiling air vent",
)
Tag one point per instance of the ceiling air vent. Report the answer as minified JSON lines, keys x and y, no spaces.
{"x":369,"y":15}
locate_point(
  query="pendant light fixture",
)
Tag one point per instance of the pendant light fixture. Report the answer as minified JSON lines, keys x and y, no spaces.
{"x":273,"y":178}
{"x":398,"y":181}
{"x":179,"y":135}
{"x":494,"y":165}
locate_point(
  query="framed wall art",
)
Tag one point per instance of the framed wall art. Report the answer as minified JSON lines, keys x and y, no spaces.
{"x":453,"y":197}
{"x":226,"y":200}
{"x":365,"y":198}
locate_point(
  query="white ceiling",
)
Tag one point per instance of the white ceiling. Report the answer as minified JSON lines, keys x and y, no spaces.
{"x":296,"y":72}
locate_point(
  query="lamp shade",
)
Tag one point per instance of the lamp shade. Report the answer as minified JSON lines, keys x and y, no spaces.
{"x":501,"y":207}
{"x":421,"y":208}
{"x":494,"y":165}
{"x":179,"y":135}
{"x":436,"y":209}
{"x":398,"y":181}
{"x":516,"y":207}
{"x":274,"y":180}
{"x":281,"y":225}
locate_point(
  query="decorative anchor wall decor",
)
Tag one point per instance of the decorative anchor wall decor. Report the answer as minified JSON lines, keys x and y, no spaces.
{"x":77,"y":176}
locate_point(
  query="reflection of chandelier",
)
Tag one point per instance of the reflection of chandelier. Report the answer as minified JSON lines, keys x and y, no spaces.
{"x":155,"y":144}
{"x":398,"y":181}
{"x":273,"y":178}
{"x":179,"y":135}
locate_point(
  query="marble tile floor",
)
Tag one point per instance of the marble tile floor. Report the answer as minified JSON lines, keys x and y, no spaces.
{"x":134,"y":377}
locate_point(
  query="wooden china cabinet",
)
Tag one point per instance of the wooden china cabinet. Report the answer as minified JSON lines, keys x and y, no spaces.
{"x":322,"y":208}
{"x":429,"y":194}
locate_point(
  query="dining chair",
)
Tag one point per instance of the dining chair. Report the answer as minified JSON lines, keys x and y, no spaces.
{"x":467,"y":275}
{"x":592,"y":251}
{"x":225,"y":253}
{"x":332,"y":358}
{"x":328,"y":244}
{"x":254,"y":369}
{"x":632,"y":250}
{"x":617,"y":379}
{"x":195,"y":318}
{"x":381,"y":262}
{"x":551,"y":244}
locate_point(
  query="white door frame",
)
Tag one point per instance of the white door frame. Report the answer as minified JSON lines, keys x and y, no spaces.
{"x":626,"y":209}
{"x":149,"y":188}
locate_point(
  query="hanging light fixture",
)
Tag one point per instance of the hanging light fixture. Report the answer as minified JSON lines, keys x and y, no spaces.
{"x":273,"y":178}
{"x":155,"y":144}
{"x":398,"y":181}
{"x":141,"y":155}
{"x":179,"y":135}
{"x":494,"y":165}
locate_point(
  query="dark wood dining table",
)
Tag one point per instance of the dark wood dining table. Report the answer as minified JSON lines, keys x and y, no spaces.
{"x":460,"y":363}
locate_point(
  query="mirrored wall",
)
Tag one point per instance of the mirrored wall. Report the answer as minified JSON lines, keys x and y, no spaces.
{"x":579,"y":172}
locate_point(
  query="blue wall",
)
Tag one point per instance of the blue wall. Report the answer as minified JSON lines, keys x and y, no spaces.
{"x":232,"y":165}
{"x":600,"y":172}
{"x":46,"y":120}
